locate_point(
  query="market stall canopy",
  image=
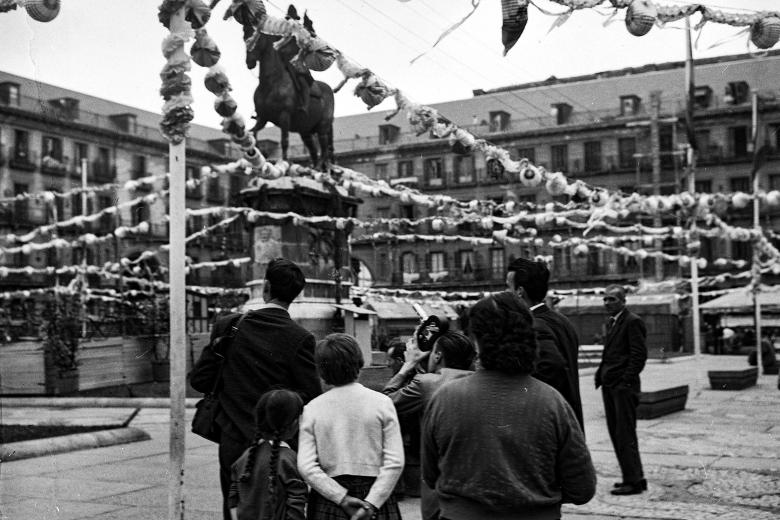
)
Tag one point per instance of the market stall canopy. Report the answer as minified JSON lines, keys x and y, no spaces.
{"x":748,"y":320}
{"x":740,"y":300}
{"x":640,"y":303}
{"x":402,"y":310}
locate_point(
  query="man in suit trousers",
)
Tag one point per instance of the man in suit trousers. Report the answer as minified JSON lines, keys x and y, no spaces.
{"x":450,"y":358}
{"x":269,"y":350}
{"x":558,"y":364}
{"x":623,"y":359}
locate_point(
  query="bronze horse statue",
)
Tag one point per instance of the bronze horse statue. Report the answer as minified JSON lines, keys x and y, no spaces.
{"x":278,"y":100}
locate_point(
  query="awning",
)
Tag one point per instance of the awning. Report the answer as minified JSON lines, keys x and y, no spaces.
{"x":741,"y":300}
{"x":399,"y":310}
{"x":355,"y":309}
{"x":589,"y":302}
{"x":737,"y":320}
{"x":388,"y":310}
{"x":299,"y":310}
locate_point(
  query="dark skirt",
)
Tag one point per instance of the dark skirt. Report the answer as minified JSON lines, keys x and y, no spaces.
{"x":320,"y":508}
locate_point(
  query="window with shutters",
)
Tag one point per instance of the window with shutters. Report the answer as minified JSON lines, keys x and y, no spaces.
{"x":593,"y":156}
{"x":559,"y":157}
{"x":626,"y":151}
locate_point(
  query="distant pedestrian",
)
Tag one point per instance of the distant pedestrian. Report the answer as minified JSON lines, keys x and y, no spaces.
{"x":768,"y":354}
{"x":349,"y":448}
{"x":500,"y":444}
{"x":269,"y":351}
{"x":265,"y":483}
{"x":622,"y":361}
{"x":451,"y":358}
{"x":558,"y":363}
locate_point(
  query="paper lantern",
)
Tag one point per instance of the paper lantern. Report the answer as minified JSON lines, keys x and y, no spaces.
{"x":556,"y":184}
{"x":599,"y":197}
{"x":765,"y":32}
{"x":702,"y":263}
{"x":684,"y":261}
{"x":143,"y":227}
{"x":530,"y":176}
{"x":687,"y":200}
{"x":487,"y":223}
{"x":773,"y":198}
{"x":42,"y":10}
{"x":581,"y":250}
{"x":740,"y":200}
{"x":640,"y":17}
{"x":437,"y":224}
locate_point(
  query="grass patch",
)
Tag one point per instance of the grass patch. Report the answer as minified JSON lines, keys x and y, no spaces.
{"x":27,"y":432}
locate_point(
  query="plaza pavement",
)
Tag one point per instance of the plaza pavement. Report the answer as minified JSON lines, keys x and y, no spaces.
{"x":718,"y":459}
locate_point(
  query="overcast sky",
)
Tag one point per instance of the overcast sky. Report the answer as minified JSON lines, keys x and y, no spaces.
{"x":111,"y":48}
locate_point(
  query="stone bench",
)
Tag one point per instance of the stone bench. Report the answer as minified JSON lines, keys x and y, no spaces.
{"x":661,"y":402}
{"x":733,"y":379}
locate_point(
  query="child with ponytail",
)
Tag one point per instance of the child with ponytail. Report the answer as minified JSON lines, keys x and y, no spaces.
{"x":265,"y":483}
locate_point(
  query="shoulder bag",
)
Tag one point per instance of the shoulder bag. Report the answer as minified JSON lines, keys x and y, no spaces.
{"x":204,"y":423}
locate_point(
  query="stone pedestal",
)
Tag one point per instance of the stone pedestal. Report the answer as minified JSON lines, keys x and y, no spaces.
{"x":320,"y":249}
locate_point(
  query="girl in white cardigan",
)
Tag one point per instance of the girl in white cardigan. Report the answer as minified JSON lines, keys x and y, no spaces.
{"x":349,"y":449}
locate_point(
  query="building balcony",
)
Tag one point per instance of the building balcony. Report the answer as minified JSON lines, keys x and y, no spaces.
{"x":102,"y":172}
{"x":54,"y":166}
{"x":24,"y":161}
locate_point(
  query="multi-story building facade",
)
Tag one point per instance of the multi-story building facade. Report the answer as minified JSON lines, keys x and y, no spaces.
{"x":602,"y":128}
{"x":47,"y":133}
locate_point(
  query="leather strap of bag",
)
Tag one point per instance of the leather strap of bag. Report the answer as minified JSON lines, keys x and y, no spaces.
{"x":232,"y":334}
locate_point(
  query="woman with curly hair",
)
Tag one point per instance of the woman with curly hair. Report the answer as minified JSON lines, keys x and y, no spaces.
{"x":501,"y":444}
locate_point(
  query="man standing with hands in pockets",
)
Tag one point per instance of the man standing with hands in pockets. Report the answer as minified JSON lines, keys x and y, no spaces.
{"x":622,"y":360}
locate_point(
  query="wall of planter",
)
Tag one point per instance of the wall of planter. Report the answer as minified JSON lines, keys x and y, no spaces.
{"x":25,"y":369}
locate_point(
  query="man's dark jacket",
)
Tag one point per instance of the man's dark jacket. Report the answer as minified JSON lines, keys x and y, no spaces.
{"x":269,"y":351}
{"x":625,"y":353}
{"x":553,"y":323}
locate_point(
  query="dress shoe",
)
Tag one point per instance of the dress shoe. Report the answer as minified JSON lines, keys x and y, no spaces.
{"x":630,"y":489}
{"x":642,"y":483}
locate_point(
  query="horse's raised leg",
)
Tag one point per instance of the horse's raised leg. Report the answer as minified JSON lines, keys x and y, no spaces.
{"x":308,"y":140}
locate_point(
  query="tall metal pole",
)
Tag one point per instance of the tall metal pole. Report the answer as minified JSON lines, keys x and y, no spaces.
{"x":694,"y":239}
{"x":84,"y":251}
{"x":757,"y":227}
{"x":655,"y":151}
{"x":178,"y":304}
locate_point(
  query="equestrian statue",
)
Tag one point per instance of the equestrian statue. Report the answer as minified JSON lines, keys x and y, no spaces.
{"x":289,"y":97}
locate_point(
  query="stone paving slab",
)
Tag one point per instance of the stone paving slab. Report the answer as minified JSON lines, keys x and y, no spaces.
{"x":35,"y":509}
{"x":152,"y":513}
{"x":66,"y":489}
{"x":196,"y":499}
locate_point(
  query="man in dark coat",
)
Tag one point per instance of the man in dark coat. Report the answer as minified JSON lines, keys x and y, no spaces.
{"x":269,"y":350}
{"x":623,"y":359}
{"x":558,"y":364}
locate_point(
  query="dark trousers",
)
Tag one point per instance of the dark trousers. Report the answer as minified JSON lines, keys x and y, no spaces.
{"x":230,"y":450}
{"x":620,"y":407}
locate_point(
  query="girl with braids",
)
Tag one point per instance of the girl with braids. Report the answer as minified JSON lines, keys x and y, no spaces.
{"x":349,"y":448}
{"x":265,"y":484}
{"x":501,"y":444}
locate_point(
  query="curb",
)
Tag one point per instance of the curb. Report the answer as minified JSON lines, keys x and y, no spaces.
{"x":93,"y":402}
{"x":65,"y":443}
